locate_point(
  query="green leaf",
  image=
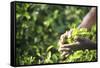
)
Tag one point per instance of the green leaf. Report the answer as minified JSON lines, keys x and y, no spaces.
{"x":50,"y":47}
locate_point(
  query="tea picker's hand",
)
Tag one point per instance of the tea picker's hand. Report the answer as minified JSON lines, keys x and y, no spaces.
{"x":61,"y":43}
{"x":79,"y":44}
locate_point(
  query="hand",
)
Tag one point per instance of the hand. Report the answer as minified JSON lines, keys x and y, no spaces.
{"x":79,"y":44}
{"x":84,"y":43}
{"x":62,"y":41}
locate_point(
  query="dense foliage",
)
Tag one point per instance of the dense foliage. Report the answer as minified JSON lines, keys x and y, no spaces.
{"x":38,"y":28}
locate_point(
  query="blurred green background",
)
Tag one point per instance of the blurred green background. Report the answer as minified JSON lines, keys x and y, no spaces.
{"x":38,"y":29}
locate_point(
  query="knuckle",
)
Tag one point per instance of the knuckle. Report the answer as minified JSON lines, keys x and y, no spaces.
{"x":62,"y":36}
{"x":60,"y":42}
{"x":59,"y":50}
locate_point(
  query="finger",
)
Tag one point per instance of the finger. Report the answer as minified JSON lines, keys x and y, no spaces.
{"x":63,"y":36}
{"x":69,"y":33}
{"x":64,"y":49}
{"x":69,"y":45}
{"x":66,"y":32}
{"x":61,"y":39}
{"x":65,"y":54}
{"x":60,"y":43}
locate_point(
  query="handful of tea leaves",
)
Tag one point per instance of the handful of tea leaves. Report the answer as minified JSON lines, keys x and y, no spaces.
{"x":82,"y":32}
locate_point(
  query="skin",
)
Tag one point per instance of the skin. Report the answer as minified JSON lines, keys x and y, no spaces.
{"x":88,"y":21}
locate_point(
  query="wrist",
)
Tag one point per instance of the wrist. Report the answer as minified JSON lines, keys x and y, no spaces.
{"x":81,"y":26}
